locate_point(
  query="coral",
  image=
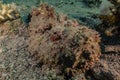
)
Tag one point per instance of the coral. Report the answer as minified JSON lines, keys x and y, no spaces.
{"x":8,"y":12}
{"x":115,"y":1}
{"x":57,"y":41}
{"x":110,"y":22}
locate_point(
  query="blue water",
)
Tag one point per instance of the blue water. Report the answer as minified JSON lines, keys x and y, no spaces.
{"x":73,"y":8}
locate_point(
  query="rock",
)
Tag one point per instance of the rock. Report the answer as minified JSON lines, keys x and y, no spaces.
{"x":102,"y":70}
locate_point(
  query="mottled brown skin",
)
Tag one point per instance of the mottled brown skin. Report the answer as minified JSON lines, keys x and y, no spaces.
{"x":57,"y":41}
